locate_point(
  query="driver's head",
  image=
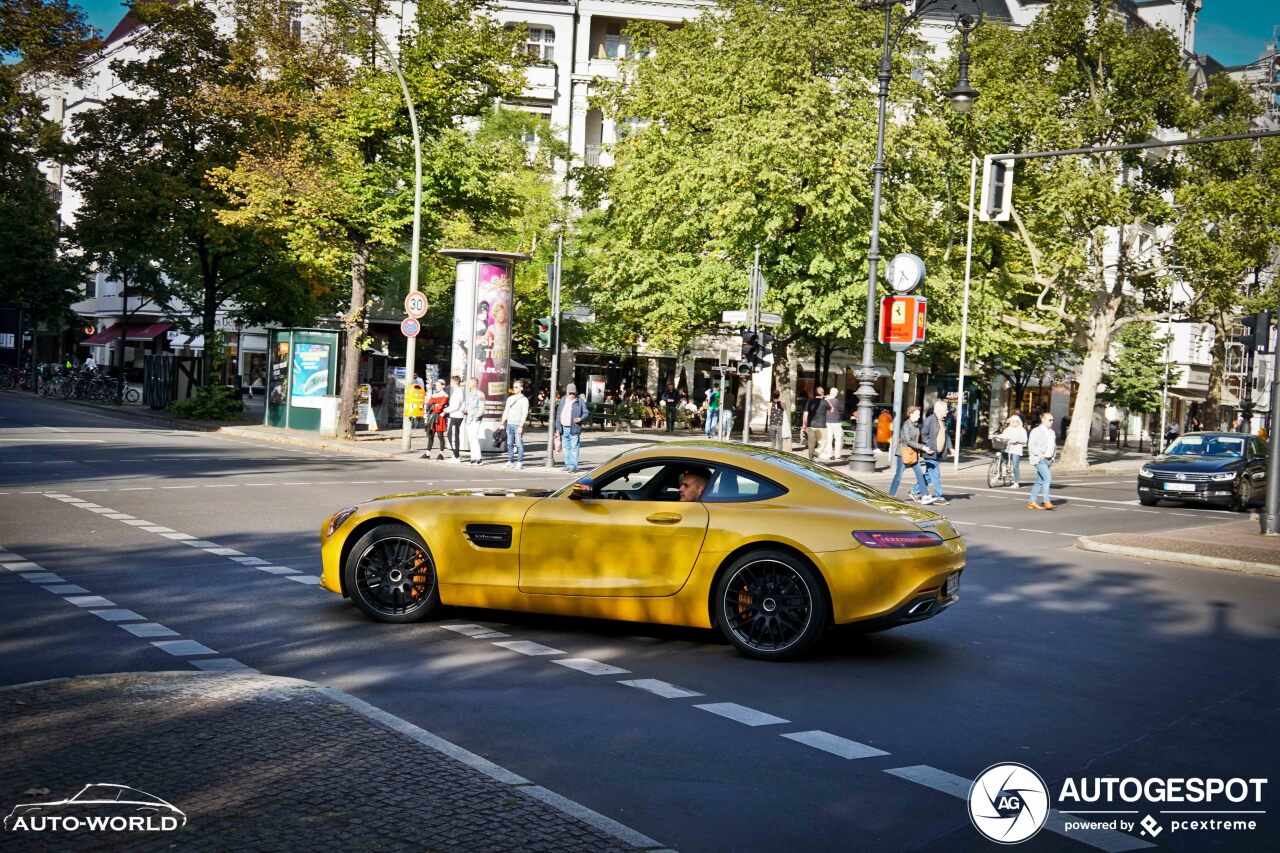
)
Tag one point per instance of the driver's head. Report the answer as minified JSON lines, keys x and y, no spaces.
{"x":693,"y":481}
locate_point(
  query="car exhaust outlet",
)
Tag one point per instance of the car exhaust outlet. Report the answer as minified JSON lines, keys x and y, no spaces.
{"x":920,"y":608}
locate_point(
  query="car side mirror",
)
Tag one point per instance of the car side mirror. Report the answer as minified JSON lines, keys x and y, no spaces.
{"x":581,"y":489}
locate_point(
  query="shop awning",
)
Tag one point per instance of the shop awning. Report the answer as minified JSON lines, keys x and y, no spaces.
{"x":187,"y":342}
{"x":111,"y":334}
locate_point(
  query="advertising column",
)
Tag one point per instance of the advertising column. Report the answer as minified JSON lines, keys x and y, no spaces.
{"x":481,"y":348}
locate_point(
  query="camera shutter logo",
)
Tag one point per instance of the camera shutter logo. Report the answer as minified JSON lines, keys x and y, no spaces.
{"x":1008,"y":803}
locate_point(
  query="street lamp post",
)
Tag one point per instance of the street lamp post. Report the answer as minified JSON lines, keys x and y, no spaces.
{"x":962,"y":97}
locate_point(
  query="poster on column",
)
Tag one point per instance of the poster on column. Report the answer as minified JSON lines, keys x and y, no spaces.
{"x":491,"y":336}
{"x":310,"y":375}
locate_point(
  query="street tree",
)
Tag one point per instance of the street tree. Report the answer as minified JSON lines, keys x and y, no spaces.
{"x":752,"y":126}
{"x":143,"y":164}
{"x":334,"y":178}
{"x":1135,"y":370}
{"x":1227,"y":224}
{"x":1083,"y":226}
{"x":40,"y":41}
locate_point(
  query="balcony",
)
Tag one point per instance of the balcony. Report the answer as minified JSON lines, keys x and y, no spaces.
{"x":591,"y":156}
{"x":540,"y":82}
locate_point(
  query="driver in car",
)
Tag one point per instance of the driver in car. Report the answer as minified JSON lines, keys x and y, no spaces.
{"x":692,"y":484}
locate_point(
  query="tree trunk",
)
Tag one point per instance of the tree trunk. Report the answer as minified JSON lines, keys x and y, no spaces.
{"x":784,"y":374}
{"x":1075,"y":450}
{"x":209,"y":328}
{"x":1211,"y":415}
{"x":353,"y":327}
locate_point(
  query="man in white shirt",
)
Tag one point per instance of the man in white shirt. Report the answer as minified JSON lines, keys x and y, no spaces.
{"x":456,"y":412}
{"x":90,"y":364}
{"x":514,"y":415}
{"x":1041,"y":447}
{"x":474,"y":413}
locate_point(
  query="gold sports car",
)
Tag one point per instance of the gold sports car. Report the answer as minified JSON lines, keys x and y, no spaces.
{"x":774,"y":551}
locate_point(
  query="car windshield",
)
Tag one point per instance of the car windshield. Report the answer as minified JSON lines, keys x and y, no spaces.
{"x":1207,"y":445}
{"x":822,"y":475}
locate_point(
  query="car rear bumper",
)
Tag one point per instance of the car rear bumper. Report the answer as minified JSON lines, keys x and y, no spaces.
{"x":918,"y":609}
{"x":867,"y":583}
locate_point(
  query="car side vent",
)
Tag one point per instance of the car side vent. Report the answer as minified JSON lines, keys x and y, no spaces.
{"x":489,"y":535}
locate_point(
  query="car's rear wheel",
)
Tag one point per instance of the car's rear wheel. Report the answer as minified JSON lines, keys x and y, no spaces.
{"x":391,"y":576}
{"x":771,"y":605}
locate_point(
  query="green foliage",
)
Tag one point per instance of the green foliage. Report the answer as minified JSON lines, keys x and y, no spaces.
{"x":210,"y":403}
{"x":1136,"y":372}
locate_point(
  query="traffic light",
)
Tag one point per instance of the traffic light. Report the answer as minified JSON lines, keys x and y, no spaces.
{"x":1262,"y":331}
{"x":750,"y":350}
{"x":997,"y":191}
{"x":766,"y":349}
{"x":543,"y":332}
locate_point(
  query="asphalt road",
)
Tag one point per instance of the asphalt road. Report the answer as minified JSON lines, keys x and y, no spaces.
{"x":1072,"y":663}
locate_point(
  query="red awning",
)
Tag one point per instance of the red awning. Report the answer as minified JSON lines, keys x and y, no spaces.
{"x":111,"y":334}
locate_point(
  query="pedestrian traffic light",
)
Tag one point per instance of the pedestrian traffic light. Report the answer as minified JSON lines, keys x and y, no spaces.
{"x":543,"y":332}
{"x":766,"y":349}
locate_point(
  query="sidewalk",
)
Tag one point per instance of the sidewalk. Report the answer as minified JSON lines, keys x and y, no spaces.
{"x":257,"y":762}
{"x":1233,"y":545}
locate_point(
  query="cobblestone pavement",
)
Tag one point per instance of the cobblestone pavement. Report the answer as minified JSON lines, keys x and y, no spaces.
{"x":1234,"y":545}
{"x":259,"y":763}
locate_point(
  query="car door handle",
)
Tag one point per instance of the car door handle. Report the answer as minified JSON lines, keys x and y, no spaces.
{"x":664,"y":518}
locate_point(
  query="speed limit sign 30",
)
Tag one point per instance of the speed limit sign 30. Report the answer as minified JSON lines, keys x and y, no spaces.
{"x":415,"y":304}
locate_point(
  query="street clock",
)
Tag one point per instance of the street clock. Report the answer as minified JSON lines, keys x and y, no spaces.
{"x":905,"y":272}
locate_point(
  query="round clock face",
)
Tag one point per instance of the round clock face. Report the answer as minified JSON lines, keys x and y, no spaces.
{"x":905,"y":272}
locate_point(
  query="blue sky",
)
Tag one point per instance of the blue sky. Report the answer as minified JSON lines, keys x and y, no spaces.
{"x":1231,"y":31}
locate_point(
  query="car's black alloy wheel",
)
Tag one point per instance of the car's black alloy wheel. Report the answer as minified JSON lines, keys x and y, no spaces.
{"x":1240,"y":494}
{"x":771,"y":606}
{"x":391,"y":576}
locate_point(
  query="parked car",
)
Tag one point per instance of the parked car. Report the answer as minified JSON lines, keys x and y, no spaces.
{"x":1227,"y":468}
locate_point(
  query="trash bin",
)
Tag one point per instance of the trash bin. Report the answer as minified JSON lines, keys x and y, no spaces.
{"x":329,"y":416}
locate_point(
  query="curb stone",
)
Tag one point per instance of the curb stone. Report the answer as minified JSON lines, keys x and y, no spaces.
{"x":1091,"y":543}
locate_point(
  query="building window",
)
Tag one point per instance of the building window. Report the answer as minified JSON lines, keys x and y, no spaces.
{"x":615,"y":44}
{"x":291,"y":17}
{"x":541,"y":44}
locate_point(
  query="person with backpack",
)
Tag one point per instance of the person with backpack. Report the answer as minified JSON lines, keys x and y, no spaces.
{"x":908,"y":456}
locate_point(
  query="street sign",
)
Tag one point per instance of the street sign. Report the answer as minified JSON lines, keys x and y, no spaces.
{"x":415,"y":305}
{"x":733,"y":318}
{"x":581,"y":314}
{"x":410,"y":327}
{"x":902,"y":321}
{"x":767,"y":319}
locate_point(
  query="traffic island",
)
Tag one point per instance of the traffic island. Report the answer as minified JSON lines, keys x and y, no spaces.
{"x":214,"y":761}
{"x":1234,"y":545}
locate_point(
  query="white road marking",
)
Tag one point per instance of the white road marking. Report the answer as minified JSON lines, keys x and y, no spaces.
{"x":277,"y":570}
{"x":87,"y":505}
{"x":742,"y":714}
{"x":116,"y":615}
{"x":250,"y":561}
{"x":20,"y":566}
{"x":471,"y":630}
{"x":148,"y":629}
{"x":591,"y":667}
{"x":660,"y":688}
{"x":178,"y":536}
{"x":225,"y":552}
{"x":200,"y":543}
{"x":157,"y":529}
{"x":835,"y":744}
{"x":100,"y":510}
{"x":119,"y":516}
{"x":89,"y":601}
{"x":67,"y":589}
{"x":43,"y":577}
{"x":527,"y":647}
{"x":179,"y":487}
{"x":221,"y":665}
{"x":183,"y":648}
{"x":138,"y":522}
{"x":997,"y":526}
{"x":59,"y":440}
{"x":311,"y":580}
{"x":135,"y":489}
{"x":958,"y":786}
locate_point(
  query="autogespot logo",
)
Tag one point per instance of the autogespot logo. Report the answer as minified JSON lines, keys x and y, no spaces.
{"x":1008,"y":803}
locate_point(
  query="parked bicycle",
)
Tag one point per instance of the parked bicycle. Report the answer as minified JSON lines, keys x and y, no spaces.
{"x":1000,"y":472}
{"x":13,"y":377}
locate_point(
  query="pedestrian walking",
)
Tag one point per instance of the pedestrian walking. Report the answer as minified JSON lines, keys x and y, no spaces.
{"x":712,"y":405}
{"x":777,"y":417}
{"x":813,"y":424}
{"x":456,"y":414}
{"x":669,"y":401}
{"x":835,"y":425}
{"x":1041,"y":446}
{"x":570,"y":416}
{"x":436,"y":421}
{"x":1015,"y":440}
{"x":514,"y":414}
{"x":936,"y":439}
{"x":474,"y":418}
{"x":910,"y":451}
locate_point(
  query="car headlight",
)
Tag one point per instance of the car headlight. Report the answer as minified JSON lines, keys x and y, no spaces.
{"x":1228,"y":475}
{"x":335,"y":521}
{"x":1146,"y":472}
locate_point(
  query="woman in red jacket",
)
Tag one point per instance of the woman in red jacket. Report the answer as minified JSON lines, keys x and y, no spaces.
{"x":436,"y":422}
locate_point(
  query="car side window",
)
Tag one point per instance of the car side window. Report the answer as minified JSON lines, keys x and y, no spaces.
{"x":733,"y":486}
{"x":634,"y":484}
{"x":1258,"y":450}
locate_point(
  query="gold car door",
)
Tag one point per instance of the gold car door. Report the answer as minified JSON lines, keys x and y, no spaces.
{"x":616,"y":546}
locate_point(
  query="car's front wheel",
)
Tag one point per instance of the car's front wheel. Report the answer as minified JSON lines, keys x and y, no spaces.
{"x":391,"y":576}
{"x":771,"y":605}
{"x":1240,"y":495}
{"x":1146,"y":501}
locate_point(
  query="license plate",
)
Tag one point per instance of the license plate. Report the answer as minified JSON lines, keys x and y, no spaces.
{"x":952,"y":584}
{"x":1179,"y":487}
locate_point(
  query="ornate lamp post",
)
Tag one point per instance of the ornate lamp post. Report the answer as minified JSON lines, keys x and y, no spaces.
{"x":962,"y":96}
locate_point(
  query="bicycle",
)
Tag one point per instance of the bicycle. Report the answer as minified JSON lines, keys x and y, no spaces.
{"x":1000,"y":472}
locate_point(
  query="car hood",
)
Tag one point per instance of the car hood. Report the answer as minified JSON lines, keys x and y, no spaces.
{"x":475,"y":492}
{"x":1194,"y":464}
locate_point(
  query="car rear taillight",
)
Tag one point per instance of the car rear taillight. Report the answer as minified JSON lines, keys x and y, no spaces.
{"x":897,"y":539}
